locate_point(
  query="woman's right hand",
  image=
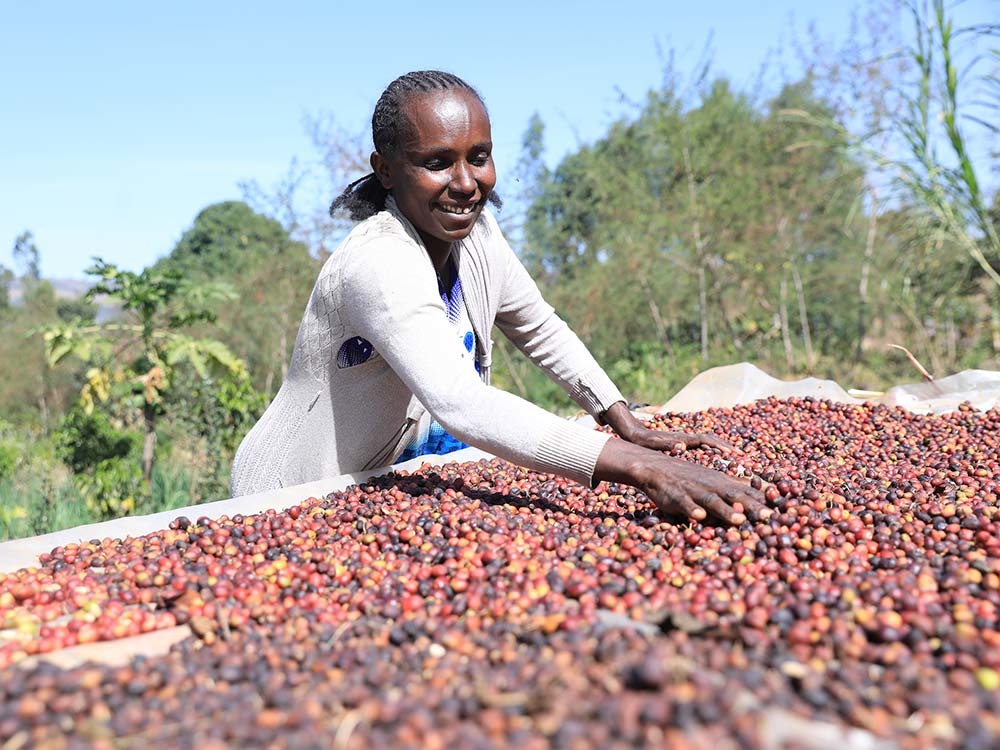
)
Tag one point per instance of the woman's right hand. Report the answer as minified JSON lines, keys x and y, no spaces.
{"x":679,"y":487}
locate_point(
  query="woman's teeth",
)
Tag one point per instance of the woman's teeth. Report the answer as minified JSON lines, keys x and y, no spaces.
{"x":457,"y":209}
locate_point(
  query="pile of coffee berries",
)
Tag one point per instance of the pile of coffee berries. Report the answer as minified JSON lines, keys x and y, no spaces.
{"x":485,"y":605}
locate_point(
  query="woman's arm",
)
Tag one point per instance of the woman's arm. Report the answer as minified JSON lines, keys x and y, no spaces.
{"x":397,"y":308}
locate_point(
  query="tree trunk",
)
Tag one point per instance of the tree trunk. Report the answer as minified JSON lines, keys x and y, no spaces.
{"x":43,"y":406}
{"x":995,"y":326}
{"x":43,"y":401}
{"x":786,"y":337}
{"x":699,"y":251}
{"x":866,"y":266}
{"x":284,"y":347}
{"x":148,"y":441}
{"x":654,"y":310}
{"x":703,"y":309}
{"x":804,"y":318}
{"x":720,"y":302}
{"x":952,"y":338}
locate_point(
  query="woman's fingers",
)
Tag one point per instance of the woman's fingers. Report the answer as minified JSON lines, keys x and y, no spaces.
{"x":696,"y":492}
{"x":682,"y":487}
{"x":751,"y":499}
{"x":668,"y":441}
{"x":711,"y":441}
{"x":722,"y":510}
{"x":681,"y":503}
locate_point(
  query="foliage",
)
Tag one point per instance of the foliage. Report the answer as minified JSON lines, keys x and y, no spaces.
{"x":29,"y":393}
{"x":6,"y":279}
{"x":269,"y":273}
{"x":132,"y":363}
{"x":104,"y":461}
{"x":705,"y":223}
{"x":8,"y":459}
{"x":42,"y":496}
{"x":223,"y":242}
{"x":951,"y":193}
{"x":213,"y":415}
{"x":25,"y":254}
{"x":83,"y":439}
{"x":113,"y":488}
{"x":931,"y":241}
{"x":10,"y":449}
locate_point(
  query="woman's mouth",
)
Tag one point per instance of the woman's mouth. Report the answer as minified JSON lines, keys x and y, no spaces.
{"x":458,"y":210}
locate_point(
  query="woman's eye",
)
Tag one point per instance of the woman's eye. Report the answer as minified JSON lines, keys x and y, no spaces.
{"x":435,"y":165}
{"x":480,"y":159}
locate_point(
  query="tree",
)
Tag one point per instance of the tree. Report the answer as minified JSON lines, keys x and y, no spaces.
{"x":224,"y":240}
{"x":6,"y":279}
{"x":811,"y":183}
{"x":709,"y":225}
{"x":269,"y":273}
{"x":135,"y":362}
{"x":26,"y":256}
{"x":915,"y":99}
{"x":953,"y":193}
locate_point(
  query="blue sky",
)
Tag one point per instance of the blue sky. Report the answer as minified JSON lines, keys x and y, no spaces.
{"x":120,"y":121}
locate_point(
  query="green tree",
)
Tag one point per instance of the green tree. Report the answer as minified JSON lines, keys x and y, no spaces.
{"x":134,"y":362}
{"x":6,"y":280}
{"x":951,"y":191}
{"x":707,"y":225}
{"x":223,"y":241}
{"x":29,"y":393}
{"x":811,"y":185}
{"x":916,"y":94}
{"x":270,"y":274}
{"x":26,"y":256}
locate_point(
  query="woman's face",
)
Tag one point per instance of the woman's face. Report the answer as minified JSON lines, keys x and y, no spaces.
{"x":442,"y":173}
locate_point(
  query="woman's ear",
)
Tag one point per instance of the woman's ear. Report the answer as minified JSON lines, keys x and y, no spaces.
{"x":380,"y":166}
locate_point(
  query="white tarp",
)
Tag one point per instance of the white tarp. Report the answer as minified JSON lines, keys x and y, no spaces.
{"x":744,"y":383}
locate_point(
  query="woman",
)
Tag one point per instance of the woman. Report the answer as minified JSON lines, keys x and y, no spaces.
{"x":394,"y":348}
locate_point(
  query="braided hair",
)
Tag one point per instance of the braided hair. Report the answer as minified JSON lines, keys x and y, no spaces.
{"x":366,"y":197}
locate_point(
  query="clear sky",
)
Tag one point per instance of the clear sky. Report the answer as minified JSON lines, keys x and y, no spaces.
{"x":120,"y":121}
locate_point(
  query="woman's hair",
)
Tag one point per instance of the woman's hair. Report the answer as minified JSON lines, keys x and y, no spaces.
{"x":366,"y":197}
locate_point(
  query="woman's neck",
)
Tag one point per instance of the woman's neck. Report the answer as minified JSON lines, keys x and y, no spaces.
{"x":439,"y":253}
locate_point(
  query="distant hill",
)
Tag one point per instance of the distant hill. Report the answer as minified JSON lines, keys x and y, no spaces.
{"x":70,"y":289}
{"x":65,"y":289}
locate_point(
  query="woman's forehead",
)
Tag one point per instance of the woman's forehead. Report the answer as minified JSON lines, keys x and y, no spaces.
{"x":452,"y":111}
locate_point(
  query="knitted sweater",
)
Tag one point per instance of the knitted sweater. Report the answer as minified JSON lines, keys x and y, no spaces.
{"x":377,"y":299}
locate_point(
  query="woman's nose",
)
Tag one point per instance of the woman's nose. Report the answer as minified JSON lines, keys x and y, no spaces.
{"x":462,"y":178}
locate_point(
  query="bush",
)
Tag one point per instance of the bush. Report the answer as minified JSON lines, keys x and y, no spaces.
{"x":8,"y":459}
{"x":83,"y":441}
{"x":112,"y":488}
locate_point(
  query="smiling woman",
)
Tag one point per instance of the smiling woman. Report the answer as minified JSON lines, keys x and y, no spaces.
{"x":393,"y":355}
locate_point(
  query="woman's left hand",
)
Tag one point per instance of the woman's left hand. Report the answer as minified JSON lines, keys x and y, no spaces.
{"x":624,"y":423}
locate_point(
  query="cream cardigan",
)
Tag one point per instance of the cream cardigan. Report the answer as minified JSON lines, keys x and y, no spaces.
{"x":380,"y":285}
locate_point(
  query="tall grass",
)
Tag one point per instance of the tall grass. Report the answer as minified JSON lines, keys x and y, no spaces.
{"x":948,"y":185}
{"x":39,"y":504}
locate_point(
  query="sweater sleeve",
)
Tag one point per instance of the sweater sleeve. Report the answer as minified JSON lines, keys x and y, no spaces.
{"x":395,"y":305}
{"x":533,"y":326}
